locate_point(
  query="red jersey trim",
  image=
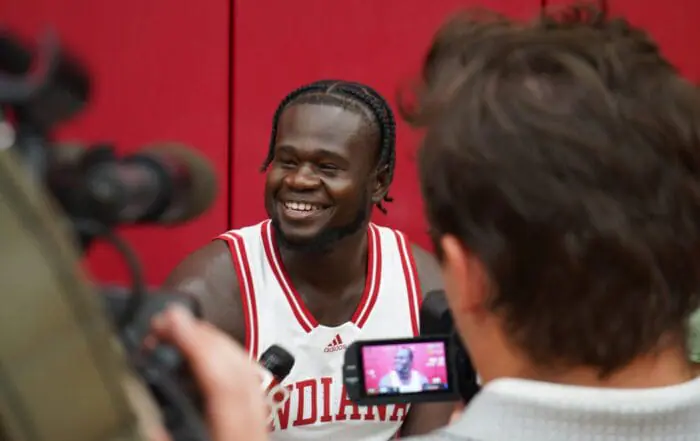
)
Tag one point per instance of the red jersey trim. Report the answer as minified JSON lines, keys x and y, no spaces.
{"x":305,"y":319}
{"x":245,"y":280}
{"x":299,"y":309}
{"x":373,"y":279}
{"x":415,"y":297}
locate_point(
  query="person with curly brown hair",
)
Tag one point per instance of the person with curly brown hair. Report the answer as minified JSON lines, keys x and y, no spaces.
{"x":561,"y":175}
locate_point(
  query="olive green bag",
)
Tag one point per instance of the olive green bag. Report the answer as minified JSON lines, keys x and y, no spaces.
{"x":63,"y":376}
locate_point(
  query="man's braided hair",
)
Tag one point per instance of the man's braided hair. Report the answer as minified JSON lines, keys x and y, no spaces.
{"x":352,"y":96}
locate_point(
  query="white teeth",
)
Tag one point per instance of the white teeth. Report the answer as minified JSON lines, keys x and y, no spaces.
{"x":301,"y":206}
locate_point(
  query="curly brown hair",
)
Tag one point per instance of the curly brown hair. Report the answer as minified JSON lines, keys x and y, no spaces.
{"x":565,"y":154}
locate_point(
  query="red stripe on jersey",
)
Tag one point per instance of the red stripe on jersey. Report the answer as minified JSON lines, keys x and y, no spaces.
{"x":299,"y":309}
{"x":409,"y":272}
{"x":303,"y":316}
{"x":416,"y":278}
{"x":245,"y":282}
{"x":373,"y":278}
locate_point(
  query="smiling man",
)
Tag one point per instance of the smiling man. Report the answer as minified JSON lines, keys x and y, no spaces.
{"x":403,"y":378}
{"x":317,"y":275}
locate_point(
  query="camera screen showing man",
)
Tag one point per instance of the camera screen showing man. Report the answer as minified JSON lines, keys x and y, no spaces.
{"x":393,"y":369}
{"x":403,"y":378}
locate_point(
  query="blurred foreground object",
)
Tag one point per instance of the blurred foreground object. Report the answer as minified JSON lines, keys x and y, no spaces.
{"x":56,"y":349}
{"x":61,"y":368}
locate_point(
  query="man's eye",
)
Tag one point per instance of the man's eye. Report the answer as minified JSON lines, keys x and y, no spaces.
{"x":286,"y":163}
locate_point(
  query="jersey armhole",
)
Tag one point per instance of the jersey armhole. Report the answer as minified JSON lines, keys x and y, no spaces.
{"x":239,"y":257}
{"x":413,"y":291}
{"x":416,"y":276}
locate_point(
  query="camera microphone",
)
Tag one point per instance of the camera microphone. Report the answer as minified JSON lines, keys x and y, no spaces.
{"x":165,"y":183}
{"x":436,"y":319}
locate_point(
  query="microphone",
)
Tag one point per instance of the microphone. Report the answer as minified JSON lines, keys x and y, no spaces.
{"x":164,"y":183}
{"x":436,"y":319}
{"x":277,"y":363}
{"x":51,"y":85}
{"x":435,"y":316}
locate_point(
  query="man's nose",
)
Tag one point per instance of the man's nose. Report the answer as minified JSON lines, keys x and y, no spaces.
{"x":303,"y":178}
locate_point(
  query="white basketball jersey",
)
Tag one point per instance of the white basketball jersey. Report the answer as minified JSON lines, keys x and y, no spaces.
{"x":318,"y":407}
{"x":415,"y":384}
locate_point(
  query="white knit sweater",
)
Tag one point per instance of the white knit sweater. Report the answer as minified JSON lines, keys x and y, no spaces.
{"x":521,"y":410}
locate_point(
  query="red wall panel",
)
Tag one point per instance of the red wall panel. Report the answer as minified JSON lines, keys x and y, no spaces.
{"x":281,"y":44}
{"x":161,"y":73}
{"x":672,"y":24}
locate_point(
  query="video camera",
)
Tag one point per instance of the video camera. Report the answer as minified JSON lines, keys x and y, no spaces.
{"x":97,"y":191}
{"x":429,"y":368}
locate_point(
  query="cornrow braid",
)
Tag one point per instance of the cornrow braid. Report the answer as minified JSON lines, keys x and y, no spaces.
{"x":363,"y":97}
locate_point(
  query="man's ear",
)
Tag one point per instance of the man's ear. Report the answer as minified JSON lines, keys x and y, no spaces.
{"x":380,"y":186}
{"x":464,"y":276}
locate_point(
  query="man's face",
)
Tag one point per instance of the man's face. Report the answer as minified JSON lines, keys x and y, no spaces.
{"x":402,"y":360}
{"x":318,"y":188}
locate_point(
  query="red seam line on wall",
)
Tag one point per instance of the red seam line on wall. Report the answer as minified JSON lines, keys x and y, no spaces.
{"x":228,"y":192}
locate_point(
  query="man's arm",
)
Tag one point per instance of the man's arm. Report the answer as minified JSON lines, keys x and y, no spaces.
{"x":209,"y":277}
{"x":426,"y":417}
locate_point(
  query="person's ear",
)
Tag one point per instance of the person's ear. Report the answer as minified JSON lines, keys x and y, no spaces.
{"x":464,"y":276}
{"x":380,"y":185}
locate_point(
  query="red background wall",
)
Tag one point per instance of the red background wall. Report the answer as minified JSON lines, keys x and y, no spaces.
{"x":211,"y":73}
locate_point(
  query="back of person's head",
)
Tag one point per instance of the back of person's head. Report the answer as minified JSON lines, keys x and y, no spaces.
{"x":563,"y":156}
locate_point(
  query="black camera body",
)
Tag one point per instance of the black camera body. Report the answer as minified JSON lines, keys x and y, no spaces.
{"x":432,"y":367}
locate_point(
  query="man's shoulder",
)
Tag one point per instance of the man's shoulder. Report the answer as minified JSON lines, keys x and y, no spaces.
{"x":425,"y":263}
{"x":252,"y":230}
{"x":416,"y":250}
{"x":209,"y":276}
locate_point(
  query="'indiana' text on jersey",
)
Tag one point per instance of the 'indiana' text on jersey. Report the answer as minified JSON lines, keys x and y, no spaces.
{"x":317,"y":404}
{"x":275,"y":313}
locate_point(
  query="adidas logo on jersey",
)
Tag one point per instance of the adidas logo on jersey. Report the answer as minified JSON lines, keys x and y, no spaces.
{"x":335,"y":345}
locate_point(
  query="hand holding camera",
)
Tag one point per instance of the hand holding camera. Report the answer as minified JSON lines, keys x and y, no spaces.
{"x":226,"y":377}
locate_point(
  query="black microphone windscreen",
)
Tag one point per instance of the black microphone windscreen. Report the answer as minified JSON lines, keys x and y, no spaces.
{"x":278,"y":361}
{"x":435,"y":316}
{"x":201,"y":190}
